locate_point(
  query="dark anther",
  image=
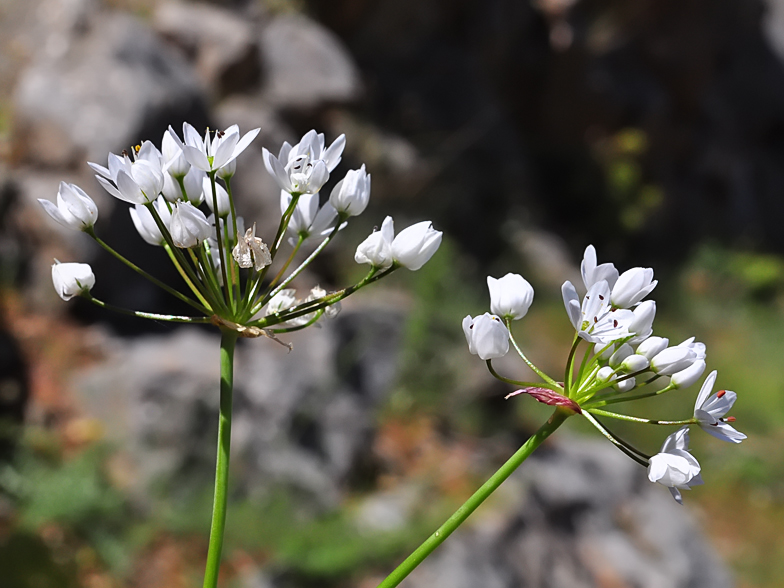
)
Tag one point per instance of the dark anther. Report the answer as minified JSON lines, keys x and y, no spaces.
{"x":615,"y":323}
{"x":601,"y":297}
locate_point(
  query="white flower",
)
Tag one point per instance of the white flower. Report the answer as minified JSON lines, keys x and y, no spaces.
{"x":224,"y":205}
{"x":486,"y":335}
{"x":227,"y":171}
{"x":642,"y":323}
{"x":415,"y":245}
{"x":625,"y":385}
{"x":593,"y":273}
{"x":192,"y":182}
{"x":652,"y":346}
{"x":510,"y":296}
{"x":173,"y":159}
{"x":304,"y":168}
{"x":283,"y":300}
{"x":620,"y":355}
{"x":674,"y":466}
{"x":251,"y":251}
{"x":216,"y":150}
{"x":605,"y":374}
{"x":686,"y":377}
{"x":377,"y":248}
{"x":710,"y":412}
{"x":595,"y":320}
{"x":672,"y":360}
{"x":71,"y":279}
{"x":74,"y":209}
{"x":139,"y":181}
{"x":352,"y":194}
{"x":632,"y":286}
{"x":145,"y":223}
{"x":188,"y":225}
{"x":308,"y":220}
{"x":634,"y":363}
{"x":698,"y":348}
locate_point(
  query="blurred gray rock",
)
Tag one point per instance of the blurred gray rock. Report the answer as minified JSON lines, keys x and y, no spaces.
{"x":222,"y":44}
{"x":302,"y":419}
{"x":100,"y":84}
{"x":306,"y":65}
{"x":578,"y":514}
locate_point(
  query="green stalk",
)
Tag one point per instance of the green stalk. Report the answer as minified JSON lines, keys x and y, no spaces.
{"x":497,"y":376}
{"x":632,"y":419}
{"x":470,"y":505}
{"x":528,"y":362}
{"x":228,"y":340}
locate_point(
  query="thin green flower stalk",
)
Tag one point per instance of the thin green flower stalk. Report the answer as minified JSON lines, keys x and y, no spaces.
{"x":223,"y":263}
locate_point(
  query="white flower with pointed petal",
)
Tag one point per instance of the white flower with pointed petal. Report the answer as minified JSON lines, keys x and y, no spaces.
{"x":652,"y":346}
{"x":215,"y":150}
{"x":145,"y":223}
{"x":377,"y":248}
{"x":352,"y":194}
{"x":672,"y":360}
{"x":642,"y":324}
{"x":74,"y":208}
{"x":593,"y":273}
{"x":595,"y":320}
{"x":304,"y":168}
{"x":72,"y":279}
{"x":674,"y":466}
{"x":139,"y":181}
{"x":510,"y":296}
{"x":632,"y":286}
{"x":710,"y":411}
{"x":174,"y":161}
{"x":308,"y":219}
{"x":188,"y":225}
{"x":486,"y":335}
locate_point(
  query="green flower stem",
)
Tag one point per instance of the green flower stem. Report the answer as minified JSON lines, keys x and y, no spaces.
{"x":205,"y":309}
{"x":221,"y":249}
{"x":637,"y":455}
{"x":279,"y":275}
{"x":470,"y":505}
{"x":539,"y":372}
{"x":569,"y":371}
{"x":624,"y":417}
{"x":185,"y":277}
{"x":609,"y":401}
{"x":304,"y":264}
{"x":147,"y":315}
{"x":228,"y":341}
{"x":316,"y":317}
{"x":518,"y":383}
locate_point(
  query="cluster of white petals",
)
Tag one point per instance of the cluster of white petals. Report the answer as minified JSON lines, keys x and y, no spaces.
{"x":411,"y":248}
{"x":674,"y":466}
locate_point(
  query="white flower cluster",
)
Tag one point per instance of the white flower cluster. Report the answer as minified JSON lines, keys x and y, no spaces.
{"x":181,"y":200}
{"x":615,"y":321}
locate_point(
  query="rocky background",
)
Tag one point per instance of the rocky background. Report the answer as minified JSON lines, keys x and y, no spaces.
{"x":524,"y":130}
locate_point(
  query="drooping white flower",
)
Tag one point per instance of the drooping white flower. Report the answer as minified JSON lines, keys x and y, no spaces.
{"x":596,"y":320}
{"x":305,"y":167}
{"x":188,"y":225}
{"x":486,"y":335}
{"x":687,"y":377}
{"x":593,"y":273}
{"x":145,"y":223}
{"x":352,"y":194}
{"x":139,"y":181}
{"x":377,"y":248}
{"x":72,"y":279}
{"x":415,"y":245}
{"x":283,"y":300}
{"x":224,"y":205}
{"x":308,"y":220}
{"x":632,"y":286}
{"x":193,"y":182}
{"x":510,"y":296}
{"x":652,"y":346}
{"x":710,"y":411}
{"x":215,"y":150}
{"x":672,"y":360}
{"x":74,"y":208}
{"x":251,"y":251}
{"x":674,"y":466}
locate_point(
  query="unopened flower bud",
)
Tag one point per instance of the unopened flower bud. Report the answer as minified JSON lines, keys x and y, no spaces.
{"x":625,"y":385}
{"x":188,"y":225}
{"x":72,"y":279}
{"x":687,"y":377}
{"x":652,"y":346}
{"x":622,"y":353}
{"x":351,"y":194}
{"x":605,"y":374}
{"x":632,"y":286}
{"x":510,"y":296}
{"x":486,"y":335}
{"x":672,"y":360}
{"x":74,"y":208}
{"x":222,"y":196}
{"x":634,"y":363}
